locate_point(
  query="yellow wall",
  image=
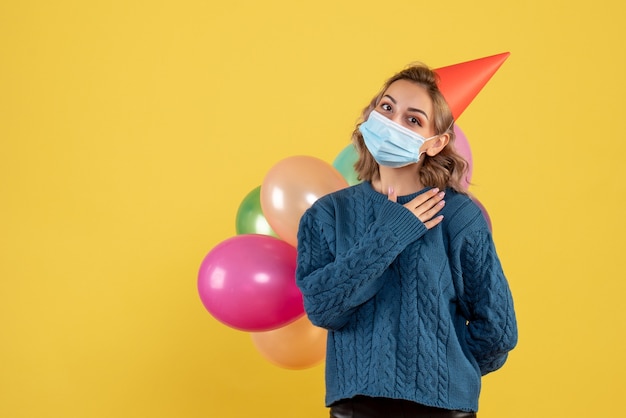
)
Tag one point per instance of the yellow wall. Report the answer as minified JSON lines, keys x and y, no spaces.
{"x":131,"y":130}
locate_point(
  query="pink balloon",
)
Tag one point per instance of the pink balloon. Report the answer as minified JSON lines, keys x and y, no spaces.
{"x":291,"y":187}
{"x":462,"y":146}
{"x":248,"y":283}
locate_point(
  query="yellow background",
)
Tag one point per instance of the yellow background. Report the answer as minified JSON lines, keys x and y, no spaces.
{"x":131,"y":131}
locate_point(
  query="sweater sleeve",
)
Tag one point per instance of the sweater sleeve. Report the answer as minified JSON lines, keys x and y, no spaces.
{"x":334,"y":283}
{"x":487,"y":302}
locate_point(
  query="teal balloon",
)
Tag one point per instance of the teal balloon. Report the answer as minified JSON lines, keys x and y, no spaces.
{"x":250,"y":218}
{"x":344,"y":163}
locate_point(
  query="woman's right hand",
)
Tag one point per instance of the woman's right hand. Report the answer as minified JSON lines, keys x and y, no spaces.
{"x":425,"y":206}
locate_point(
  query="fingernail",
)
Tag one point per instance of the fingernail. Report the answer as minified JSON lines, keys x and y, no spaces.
{"x":390,"y":190}
{"x":442,"y":194}
{"x":435,"y":190}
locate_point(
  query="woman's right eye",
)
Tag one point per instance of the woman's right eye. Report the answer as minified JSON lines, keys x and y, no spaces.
{"x":386,"y":107}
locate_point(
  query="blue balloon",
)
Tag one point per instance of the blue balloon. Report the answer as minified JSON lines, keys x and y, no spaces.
{"x":344,"y":163}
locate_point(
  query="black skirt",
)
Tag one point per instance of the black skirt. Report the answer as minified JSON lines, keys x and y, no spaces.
{"x":367,"y":407}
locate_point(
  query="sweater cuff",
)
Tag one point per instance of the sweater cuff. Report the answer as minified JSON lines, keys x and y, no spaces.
{"x":401,"y":221}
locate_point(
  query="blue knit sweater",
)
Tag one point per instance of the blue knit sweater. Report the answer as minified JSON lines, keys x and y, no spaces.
{"x":412,"y":313}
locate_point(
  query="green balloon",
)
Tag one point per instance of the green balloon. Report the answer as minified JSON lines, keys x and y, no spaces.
{"x":250,"y":218}
{"x":344,"y":163}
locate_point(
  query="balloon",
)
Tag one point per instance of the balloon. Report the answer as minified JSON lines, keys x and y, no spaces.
{"x":344,"y":163}
{"x":484,"y":211}
{"x":291,"y":187}
{"x":460,"y":83}
{"x":248,"y":283}
{"x":250,"y":219}
{"x":299,"y":345}
{"x":462,"y":146}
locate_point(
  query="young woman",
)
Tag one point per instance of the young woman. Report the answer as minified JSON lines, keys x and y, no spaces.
{"x":402,"y":270}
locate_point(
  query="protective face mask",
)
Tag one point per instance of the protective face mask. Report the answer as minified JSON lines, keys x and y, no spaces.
{"x":390,"y":144}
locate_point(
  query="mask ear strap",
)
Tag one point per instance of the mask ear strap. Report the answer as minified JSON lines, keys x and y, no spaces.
{"x":444,"y":132}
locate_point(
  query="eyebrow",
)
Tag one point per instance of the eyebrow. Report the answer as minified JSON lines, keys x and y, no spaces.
{"x":411,"y":109}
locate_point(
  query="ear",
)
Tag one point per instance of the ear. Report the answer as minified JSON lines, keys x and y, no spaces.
{"x":437,"y":145}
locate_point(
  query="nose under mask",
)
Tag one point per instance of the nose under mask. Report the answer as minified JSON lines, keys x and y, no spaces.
{"x":391,"y":144}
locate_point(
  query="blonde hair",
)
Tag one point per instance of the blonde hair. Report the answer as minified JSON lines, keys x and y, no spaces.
{"x":448,"y":167}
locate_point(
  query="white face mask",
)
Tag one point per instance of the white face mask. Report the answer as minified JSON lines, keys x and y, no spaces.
{"x":391,"y":144}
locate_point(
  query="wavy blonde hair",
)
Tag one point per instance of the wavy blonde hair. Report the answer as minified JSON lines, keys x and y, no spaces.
{"x":446,"y":169}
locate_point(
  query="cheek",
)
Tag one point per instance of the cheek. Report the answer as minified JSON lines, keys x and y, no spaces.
{"x":426,"y":145}
{"x":432,"y":143}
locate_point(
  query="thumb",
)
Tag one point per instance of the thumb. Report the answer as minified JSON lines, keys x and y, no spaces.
{"x":391,"y":194}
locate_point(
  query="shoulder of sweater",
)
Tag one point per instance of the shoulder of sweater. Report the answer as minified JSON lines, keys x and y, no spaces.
{"x":462,"y":215}
{"x":340,"y":195}
{"x":324,"y":208}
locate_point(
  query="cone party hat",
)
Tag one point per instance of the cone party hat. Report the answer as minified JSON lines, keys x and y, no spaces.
{"x":460,"y":83}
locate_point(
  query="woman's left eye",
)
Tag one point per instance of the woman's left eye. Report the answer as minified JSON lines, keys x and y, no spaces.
{"x":414,"y":121}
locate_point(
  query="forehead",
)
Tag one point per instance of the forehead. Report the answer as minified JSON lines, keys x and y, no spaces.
{"x":410,"y":94}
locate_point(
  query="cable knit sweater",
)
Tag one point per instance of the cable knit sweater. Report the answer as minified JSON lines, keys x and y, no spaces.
{"x":412,"y":313}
